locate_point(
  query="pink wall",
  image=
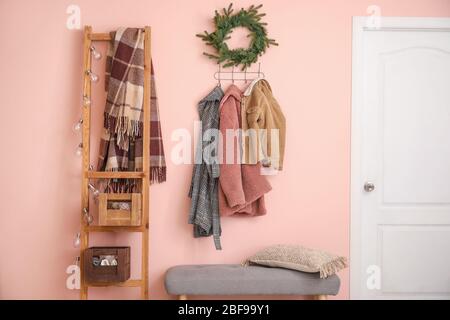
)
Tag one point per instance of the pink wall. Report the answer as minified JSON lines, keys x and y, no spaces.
{"x":40,"y":64}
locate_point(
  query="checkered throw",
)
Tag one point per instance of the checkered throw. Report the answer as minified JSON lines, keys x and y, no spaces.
{"x":121,"y":145}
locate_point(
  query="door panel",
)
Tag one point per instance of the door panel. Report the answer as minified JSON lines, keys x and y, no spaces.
{"x":401,"y":144}
{"x":415,"y":95}
{"x":411,"y":256}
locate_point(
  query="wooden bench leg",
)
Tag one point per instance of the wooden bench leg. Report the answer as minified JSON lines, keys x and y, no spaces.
{"x":182,"y":297}
{"x":320,"y":297}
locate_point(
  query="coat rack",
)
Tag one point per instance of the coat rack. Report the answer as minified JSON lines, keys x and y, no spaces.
{"x":88,"y":173}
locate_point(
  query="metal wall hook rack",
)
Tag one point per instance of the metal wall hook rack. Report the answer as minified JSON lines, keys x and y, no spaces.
{"x":241,"y":75}
{"x":218,"y":75}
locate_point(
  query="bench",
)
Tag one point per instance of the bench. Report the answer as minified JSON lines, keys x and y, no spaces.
{"x":232,"y":279}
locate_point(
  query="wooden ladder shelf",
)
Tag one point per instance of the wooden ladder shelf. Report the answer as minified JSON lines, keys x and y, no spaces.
{"x":89,"y":37}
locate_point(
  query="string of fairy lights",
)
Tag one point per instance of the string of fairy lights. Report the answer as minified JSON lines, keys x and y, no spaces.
{"x":77,"y":127}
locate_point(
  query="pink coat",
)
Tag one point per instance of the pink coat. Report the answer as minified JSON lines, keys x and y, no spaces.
{"x":241,"y":187}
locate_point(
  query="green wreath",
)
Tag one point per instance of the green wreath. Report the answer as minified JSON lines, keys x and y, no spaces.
{"x":225,"y":23}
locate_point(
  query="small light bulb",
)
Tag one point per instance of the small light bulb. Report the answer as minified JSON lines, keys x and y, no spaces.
{"x":77,"y":126}
{"x":87,"y":217}
{"x":92,"y":76}
{"x":86,"y":100}
{"x":77,"y":240}
{"x":97,"y":55}
{"x":79,"y":150}
{"x":94,"y":190}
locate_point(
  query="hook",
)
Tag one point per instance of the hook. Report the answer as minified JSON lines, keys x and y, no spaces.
{"x":219,"y":84}
{"x":232,"y":74}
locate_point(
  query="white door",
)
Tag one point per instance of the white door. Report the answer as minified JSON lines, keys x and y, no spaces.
{"x":400,"y":208}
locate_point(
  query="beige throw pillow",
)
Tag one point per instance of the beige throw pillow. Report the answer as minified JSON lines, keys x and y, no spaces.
{"x":299,"y":258}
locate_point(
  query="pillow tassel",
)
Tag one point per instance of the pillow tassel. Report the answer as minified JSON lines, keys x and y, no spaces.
{"x":332,"y":267}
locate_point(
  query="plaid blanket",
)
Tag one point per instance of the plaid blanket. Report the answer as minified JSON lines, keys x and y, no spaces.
{"x":121,"y":144}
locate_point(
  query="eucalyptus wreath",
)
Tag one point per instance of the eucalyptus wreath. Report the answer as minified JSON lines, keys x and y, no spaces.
{"x":225,"y":23}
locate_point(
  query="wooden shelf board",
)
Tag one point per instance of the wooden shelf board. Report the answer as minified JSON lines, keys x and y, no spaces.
{"x":100,"y":36}
{"x":115,"y":228}
{"x":128,"y":283}
{"x":115,"y":174}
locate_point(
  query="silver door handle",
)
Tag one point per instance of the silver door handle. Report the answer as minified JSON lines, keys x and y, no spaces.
{"x":369,"y":187}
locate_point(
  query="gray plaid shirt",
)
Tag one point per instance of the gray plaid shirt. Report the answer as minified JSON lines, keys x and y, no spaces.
{"x":204,"y":213}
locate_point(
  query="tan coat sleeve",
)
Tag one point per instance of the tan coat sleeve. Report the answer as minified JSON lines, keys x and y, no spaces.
{"x":264,"y":116}
{"x":256,"y":121}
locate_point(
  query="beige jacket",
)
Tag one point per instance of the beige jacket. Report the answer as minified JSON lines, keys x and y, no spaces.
{"x":263,"y":126}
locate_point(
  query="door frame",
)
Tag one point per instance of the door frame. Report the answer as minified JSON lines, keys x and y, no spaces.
{"x":359,"y":27}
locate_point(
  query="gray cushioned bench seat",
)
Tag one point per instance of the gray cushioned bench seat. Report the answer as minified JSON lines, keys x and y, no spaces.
{"x":231,"y":279}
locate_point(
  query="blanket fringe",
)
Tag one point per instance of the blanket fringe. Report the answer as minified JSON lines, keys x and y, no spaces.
{"x":157,"y":174}
{"x":120,"y":186}
{"x":124,"y":127}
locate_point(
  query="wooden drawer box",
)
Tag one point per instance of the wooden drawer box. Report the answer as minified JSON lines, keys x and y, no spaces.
{"x":112,"y":211}
{"x":95,"y":272}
